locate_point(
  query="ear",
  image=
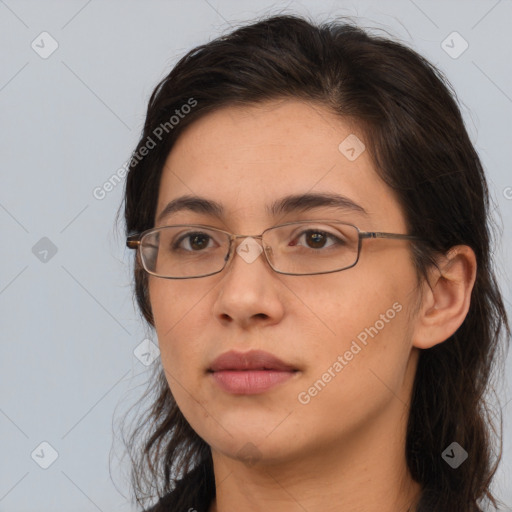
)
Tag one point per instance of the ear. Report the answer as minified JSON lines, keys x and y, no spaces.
{"x":446,"y":297}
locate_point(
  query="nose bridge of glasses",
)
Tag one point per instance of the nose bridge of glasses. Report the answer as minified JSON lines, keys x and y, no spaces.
{"x":267,"y":249}
{"x":241,"y":238}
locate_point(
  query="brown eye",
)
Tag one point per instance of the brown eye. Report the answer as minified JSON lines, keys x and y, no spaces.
{"x":316,"y":239}
{"x":197,"y":241}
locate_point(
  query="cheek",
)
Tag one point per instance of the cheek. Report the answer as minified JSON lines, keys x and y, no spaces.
{"x":177,"y":327}
{"x":359,"y":370}
{"x":175,"y":304}
{"x":361,"y":314}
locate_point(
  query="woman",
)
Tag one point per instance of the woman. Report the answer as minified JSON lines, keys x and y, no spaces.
{"x":339,"y":360}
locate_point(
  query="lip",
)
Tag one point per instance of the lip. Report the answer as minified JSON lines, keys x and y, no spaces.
{"x":252,"y":360}
{"x":249,"y":373}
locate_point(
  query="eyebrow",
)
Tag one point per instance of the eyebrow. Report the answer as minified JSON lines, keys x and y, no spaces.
{"x":289,"y":204}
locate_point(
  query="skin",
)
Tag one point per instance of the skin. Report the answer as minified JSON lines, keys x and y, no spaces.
{"x":349,"y":440}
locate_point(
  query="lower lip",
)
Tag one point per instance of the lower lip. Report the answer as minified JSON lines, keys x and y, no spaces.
{"x":250,"y":382}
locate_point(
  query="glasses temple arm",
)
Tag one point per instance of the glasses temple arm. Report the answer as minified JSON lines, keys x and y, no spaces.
{"x":380,"y":234}
{"x":133,"y":241}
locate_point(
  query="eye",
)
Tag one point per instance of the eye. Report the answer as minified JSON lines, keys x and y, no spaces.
{"x":316,"y":239}
{"x":196,"y":241}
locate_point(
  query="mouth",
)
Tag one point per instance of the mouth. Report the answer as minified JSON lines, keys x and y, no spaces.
{"x":249,"y":373}
{"x":250,"y":382}
{"x":252,"y":360}
{"x":252,"y":369}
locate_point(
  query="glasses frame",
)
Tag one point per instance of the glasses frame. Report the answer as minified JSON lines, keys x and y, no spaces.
{"x":133,"y":241}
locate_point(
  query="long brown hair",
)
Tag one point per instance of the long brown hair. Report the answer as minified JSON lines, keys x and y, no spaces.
{"x":418,"y":143}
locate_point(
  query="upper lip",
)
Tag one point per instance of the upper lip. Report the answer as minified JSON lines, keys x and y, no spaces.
{"x":252,"y":360}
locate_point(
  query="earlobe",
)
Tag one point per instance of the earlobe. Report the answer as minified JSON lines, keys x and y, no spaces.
{"x":446,"y":297}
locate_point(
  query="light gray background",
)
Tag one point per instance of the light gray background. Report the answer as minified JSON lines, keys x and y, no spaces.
{"x":68,"y":123}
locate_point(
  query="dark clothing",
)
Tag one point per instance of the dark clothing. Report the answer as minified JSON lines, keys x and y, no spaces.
{"x":193,"y":493}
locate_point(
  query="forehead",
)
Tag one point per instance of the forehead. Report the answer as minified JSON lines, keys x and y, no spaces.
{"x":247,"y":159}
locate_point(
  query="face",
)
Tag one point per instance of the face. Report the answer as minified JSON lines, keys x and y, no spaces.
{"x":346,"y":334}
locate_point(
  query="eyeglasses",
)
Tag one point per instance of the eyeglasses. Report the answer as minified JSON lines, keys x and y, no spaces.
{"x":186,"y":251}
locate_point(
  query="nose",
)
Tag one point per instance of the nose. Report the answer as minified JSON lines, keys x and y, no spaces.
{"x":249,"y":293}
